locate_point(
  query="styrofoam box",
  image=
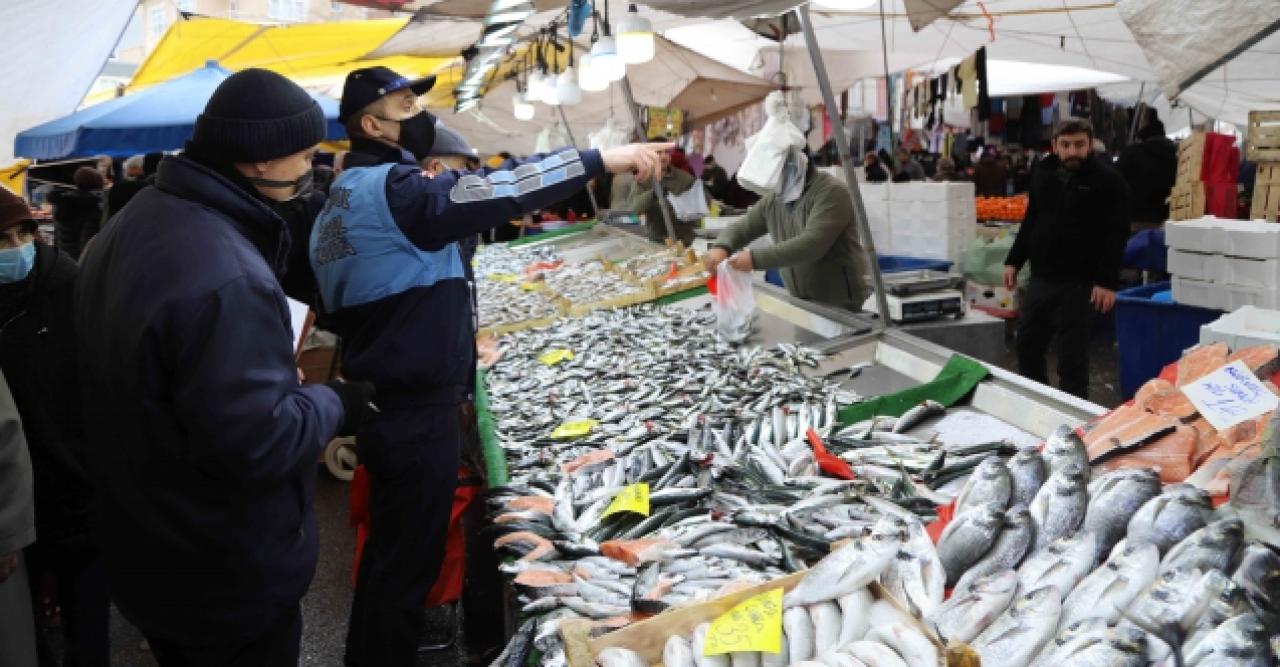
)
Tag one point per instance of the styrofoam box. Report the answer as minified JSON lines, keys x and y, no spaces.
{"x":1196,"y":265}
{"x":1245,"y":327}
{"x":932,"y":192}
{"x":1249,"y":272}
{"x":874,"y":191}
{"x":961,"y":191}
{"x":904,"y":192}
{"x":1203,"y":235}
{"x":1252,"y":238}
{"x":1191,"y":292}
{"x":1239,"y":296}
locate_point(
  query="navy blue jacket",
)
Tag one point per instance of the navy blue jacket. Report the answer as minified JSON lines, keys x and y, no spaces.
{"x":201,"y":440}
{"x":420,"y":343}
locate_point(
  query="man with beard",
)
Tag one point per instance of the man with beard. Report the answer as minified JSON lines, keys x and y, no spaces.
{"x":1074,"y":235}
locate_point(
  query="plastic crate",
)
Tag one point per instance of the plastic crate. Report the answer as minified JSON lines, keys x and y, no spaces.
{"x":1152,"y":334}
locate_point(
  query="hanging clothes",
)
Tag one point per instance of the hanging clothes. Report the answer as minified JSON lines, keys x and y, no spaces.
{"x":969,"y":81}
{"x":984,"y":97}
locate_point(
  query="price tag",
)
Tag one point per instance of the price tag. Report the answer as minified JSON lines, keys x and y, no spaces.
{"x":634,"y":498}
{"x":1231,"y":395}
{"x":553,"y":357}
{"x":753,"y":625}
{"x":531,"y":287}
{"x":502,"y":277}
{"x":574,"y":429}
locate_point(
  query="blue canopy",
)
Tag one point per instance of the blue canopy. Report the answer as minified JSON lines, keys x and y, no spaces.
{"x":159,"y":118}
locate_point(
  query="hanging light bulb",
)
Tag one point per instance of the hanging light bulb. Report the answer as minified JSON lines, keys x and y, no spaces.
{"x":605,"y":60}
{"x":567,"y":89}
{"x":521,"y":108}
{"x":536,"y":88}
{"x":550,"y":89}
{"x":589,"y":79}
{"x":844,"y":4}
{"x":635,"y":38}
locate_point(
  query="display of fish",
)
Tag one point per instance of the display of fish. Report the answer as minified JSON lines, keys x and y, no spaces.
{"x":1114,"y":498}
{"x":1060,"y":504}
{"x":1167,"y":519}
{"x":1019,"y":633}
{"x":964,"y":616}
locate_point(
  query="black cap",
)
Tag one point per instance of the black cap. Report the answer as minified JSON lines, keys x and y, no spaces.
{"x":256,"y":115}
{"x":365,"y":86}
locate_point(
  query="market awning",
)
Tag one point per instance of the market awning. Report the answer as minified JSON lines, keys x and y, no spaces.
{"x":14,"y":176}
{"x":313,"y":55}
{"x":158,"y":118}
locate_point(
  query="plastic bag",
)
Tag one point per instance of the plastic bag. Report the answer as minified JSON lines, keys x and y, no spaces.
{"x":691,"y":205}
{"x":769,"y":149}
{"x":550,"y":139}
{"x":614,"y":134}
{"x":734,"y":303}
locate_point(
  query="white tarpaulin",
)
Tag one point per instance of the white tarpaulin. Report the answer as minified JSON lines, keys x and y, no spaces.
{"x":53,"y":53}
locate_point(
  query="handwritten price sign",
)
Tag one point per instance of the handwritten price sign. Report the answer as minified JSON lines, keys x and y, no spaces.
{"x":753,"y":625}
{"x":634,"y":498}
{"x":1231,"y":395}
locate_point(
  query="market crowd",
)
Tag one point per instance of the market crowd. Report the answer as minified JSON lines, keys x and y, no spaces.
{"x":158,"y":447}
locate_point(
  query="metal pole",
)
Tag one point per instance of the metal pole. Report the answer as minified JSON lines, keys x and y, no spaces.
{"x":850,"y":176}
{"x":657,"y":184}
{"x":569,"y":132}
{"x":1137,"y":111}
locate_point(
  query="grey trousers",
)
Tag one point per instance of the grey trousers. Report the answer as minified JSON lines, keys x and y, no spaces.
{"x":18,"y":630}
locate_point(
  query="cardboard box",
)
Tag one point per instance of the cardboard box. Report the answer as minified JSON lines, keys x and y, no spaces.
{"x":994,"y":297}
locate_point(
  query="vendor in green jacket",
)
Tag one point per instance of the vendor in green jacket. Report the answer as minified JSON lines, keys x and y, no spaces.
{"x":815,"y":243}
{"x":642,"y":200}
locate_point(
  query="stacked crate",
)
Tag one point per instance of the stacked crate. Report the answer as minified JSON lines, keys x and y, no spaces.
{"x":1225,"y":264}
{"x":1206,"y":184}
{"x":1263,"y":148}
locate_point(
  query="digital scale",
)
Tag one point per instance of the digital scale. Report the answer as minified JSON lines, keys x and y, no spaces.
{"x":920,"y":296}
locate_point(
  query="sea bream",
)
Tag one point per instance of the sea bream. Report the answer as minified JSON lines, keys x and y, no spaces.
{"x":965,"y":615}
{"x":1014,"y":638}
{"x":1108,"y":590}
{"x":1060,"y":504}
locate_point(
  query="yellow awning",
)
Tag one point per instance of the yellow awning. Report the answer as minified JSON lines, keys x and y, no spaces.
{"x":311,"y":54}
{"x":14,"y":176}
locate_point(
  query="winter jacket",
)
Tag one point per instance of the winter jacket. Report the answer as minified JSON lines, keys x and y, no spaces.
{"x":299,"y":282}
{"x":1076,"y":224}
{"x":77,"y":215}
{"x":202,"y":443}
{"x":815,"y":243}
{"x":38,"y":356}
{"x":390,"y":268}
{"x":1150,"y":167}
{"x":17,"y":505}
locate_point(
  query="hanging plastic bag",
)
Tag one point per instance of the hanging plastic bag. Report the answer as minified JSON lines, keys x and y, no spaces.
{"x":768,"y":149}
{"x":734,"y":303}
{"x":614,"y":134}
{"x":691,"y":205}
{"x":550,"y":139}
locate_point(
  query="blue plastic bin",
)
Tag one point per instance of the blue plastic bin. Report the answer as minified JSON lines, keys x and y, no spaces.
{"x":1152,"y":334}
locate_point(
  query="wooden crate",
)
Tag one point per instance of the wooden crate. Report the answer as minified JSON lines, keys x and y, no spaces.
{"x":1262,"y":143}
{"x":1266,"y":193}
{"x":1187,"y":201}
{"x":1190,"y":158}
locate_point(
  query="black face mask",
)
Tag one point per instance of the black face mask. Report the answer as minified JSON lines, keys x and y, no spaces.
{"x":418,"y":135}
{"x":302,"y":186}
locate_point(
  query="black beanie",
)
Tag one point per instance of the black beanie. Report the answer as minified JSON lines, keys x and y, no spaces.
{"x":258,"y":115}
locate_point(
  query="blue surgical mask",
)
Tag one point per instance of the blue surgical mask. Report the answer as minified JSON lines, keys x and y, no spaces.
{"x":16,"y":263}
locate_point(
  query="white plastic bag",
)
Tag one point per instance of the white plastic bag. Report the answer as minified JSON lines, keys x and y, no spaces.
{"x":614,"y":134}
{"x":734,"y":303}
{"x":691,"y":205}
{"x":550,"y":139}
{"x":768,"y":149}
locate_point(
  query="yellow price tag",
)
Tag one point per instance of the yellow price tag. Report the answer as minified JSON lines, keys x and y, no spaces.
{"x":502,"y":277}
{"x":574,"y":429}
{"x":634,"y":498}
{"x":530,"y":287}
{"x":753,"y":625}
{"x":553,"y":357}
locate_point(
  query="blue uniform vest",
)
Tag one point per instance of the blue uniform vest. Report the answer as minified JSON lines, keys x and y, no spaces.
{"x":358,"y":252}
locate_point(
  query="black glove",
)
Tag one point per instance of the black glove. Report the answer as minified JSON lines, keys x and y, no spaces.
{"x":357,"y":404}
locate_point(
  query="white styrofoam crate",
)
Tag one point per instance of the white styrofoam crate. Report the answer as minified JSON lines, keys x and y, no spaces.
{"x":1204,"y":235}
{"x":904,"y":192}
{"x":932,"y":192}
{"x":874,"y":191}
{"x":1251,"y":238}
{"x":1196,"y":265}
{"x":1190,"y":292}
{"x":1249,"y":272}
{"x":961,"y":191}
{"x":1247,"y":326}
{"x":1239,"y":296}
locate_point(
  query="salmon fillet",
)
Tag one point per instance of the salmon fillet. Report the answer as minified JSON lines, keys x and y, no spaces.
{"x":543,"y":578}
{"x":1172,"y":403}
{"x":1171,"y":456}
{"x":1150,"y":389}
{"x":1200,"y":361}
{"x":587,"y":459}
{"x":1207,"y":440}
{"x":1263,"y":360}
{"x":1127,"y":427}
{"x":635,"y":552}
{"x":540,"y":504}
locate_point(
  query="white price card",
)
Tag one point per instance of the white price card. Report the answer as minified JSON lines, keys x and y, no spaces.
{"x":1231,"y":395}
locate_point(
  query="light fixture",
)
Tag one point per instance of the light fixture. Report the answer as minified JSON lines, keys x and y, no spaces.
{"x":567,"y":89}
{"x":844,"y":4}
{"x":550,"y":90}
{"x":521,"y":108}
{"x":635,"y":38}
{"x":535,"y":89}
{"x":605,"y":60}
{"x":588,"y":78}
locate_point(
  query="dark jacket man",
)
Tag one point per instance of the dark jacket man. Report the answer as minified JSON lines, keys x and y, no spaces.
{"x":715,"y":179}
{"x":1073,"y":235}
{"x":202,"y":441}
{"x":77,"y":214}
{"x":1150,"y":167}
